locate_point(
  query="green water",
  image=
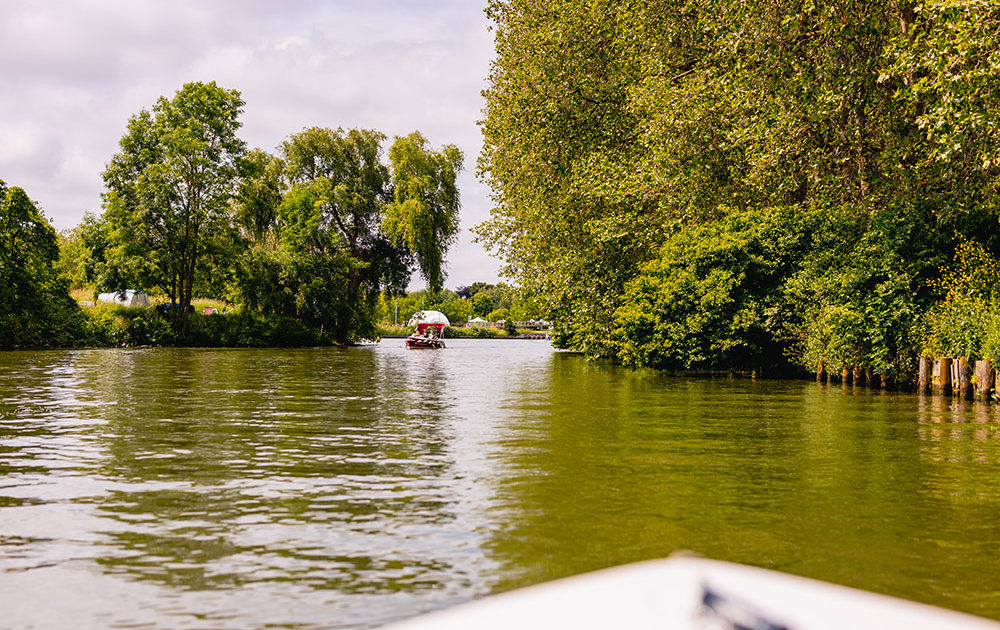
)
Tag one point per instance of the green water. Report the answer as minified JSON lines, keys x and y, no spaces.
{"x":347,"y":488}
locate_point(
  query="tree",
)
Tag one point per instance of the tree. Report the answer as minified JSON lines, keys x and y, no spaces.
{"x":73,"y":256}
{"x":614,"y":129}
{"x":423,"y":214}
{"x":35,"y":307}
{"x":169,"y":191}
{"x":375,"y":222}
{"x":483,"y":303}
{"x":259,"y":193}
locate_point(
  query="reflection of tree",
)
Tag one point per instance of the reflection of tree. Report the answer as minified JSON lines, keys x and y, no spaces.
{"x":39,"y":393}
{"x":255,"y":465}
{"x":618,"y":466}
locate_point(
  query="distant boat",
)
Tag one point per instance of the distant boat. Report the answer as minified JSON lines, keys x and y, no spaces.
{"x":429,"y":331}
{"x":685,"y":593}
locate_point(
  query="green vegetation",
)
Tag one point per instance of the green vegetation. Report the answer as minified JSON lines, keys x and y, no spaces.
{"x":304,"y":244}
{"x":35,"y":307}
{"x":723,"y":184}
{"x":492,"y":302}
{"x":167,"y":207}
{"x":110,"y":325}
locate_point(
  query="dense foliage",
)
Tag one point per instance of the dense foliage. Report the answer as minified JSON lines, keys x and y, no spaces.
{"x":35,"y":307}
{"x":316,"y":233}
{"x":169,"y":191}
{"x":492,"y":302}
{"x":710,"y":183}
{"x":306,"y":244}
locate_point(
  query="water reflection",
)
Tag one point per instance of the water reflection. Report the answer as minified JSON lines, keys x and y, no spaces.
{"x":865,"y":489}
{"x":321,"y":487}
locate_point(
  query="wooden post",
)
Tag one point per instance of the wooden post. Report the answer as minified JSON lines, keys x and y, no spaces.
{"x":942,"y":376}
{"x":984,"y":380}
{"x":926,"y":371}
{"x":964,"y":378}
{"x":820,"y":371}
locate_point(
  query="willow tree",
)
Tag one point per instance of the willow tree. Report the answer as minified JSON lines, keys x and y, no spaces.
{"x":423,"y":213}
{"x":169,"y":190}
{"x":352,"y":225}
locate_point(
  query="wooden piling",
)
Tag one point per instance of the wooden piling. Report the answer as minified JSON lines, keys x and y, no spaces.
{"x":942,"y":376}
{"x":964,"y":373}
{"x":984,"y":380}
{"x":925,"y":373}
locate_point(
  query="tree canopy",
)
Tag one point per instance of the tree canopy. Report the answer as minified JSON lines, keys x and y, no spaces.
{"x":315,"y":232}
{"x":345,"y":225}
{"x":616,"y":132}
{"x":35,"y":307}
{"x":169,"y":190}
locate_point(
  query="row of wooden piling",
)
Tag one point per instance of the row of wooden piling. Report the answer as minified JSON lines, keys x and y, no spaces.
{"x":854,"y":375}
{"x":944,"y":376}
{"x":956,"y":377}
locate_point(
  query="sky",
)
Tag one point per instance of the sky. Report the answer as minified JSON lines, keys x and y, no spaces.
{"x":72,"y":73}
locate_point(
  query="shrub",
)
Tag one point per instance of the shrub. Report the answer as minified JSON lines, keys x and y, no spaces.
{"x":964,"y":324}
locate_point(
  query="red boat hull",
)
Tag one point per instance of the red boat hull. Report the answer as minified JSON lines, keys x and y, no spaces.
{"x":424,"y":343}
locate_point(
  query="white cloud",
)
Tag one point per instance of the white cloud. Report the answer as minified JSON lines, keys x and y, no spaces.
{"x":74,"y":72}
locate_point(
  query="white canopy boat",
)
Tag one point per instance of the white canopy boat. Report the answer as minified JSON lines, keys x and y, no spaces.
{"x":429,"y":331}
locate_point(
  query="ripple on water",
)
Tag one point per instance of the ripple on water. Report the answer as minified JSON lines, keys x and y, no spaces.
{"x":345,"y":488}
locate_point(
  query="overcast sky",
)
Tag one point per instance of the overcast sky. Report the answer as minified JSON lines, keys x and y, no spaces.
{"x":72,"y":73}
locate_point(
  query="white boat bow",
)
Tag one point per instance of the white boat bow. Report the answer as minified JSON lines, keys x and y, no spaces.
{"x":692,"y":593}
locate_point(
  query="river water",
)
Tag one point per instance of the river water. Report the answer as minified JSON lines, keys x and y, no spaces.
{"x":330,"y":488}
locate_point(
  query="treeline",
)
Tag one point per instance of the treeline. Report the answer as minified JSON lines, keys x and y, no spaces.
{"x":35,"y":306}
{"x":315,"y":234}
{"x":492,"y":302}
{"x":754,"y":184}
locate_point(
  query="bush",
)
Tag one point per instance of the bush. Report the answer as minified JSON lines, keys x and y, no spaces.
{"x":713,"y":296}
{"x":964,"y":324}
{"x":472,"y":333}
{"x":112,"y":325}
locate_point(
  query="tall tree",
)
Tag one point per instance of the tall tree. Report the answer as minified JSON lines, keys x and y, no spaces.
{"x":423,"y":214}
{"x":349,"y":225}
{"x":613,"y":128}
{"x":35,"y":307}
{"x":169,"y":190}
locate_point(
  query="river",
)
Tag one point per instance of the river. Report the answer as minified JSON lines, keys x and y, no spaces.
{"x":332,"y":488}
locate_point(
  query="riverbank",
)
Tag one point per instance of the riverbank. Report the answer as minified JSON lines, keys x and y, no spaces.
{"x":452,"y":332}
{"x":116,"y":326}
{"x":108,"y":325}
